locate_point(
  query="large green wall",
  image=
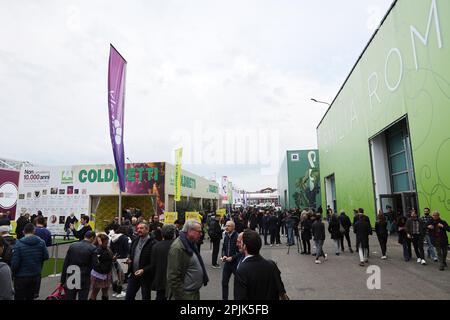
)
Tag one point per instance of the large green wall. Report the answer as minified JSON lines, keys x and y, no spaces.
{"x":422,"y":93}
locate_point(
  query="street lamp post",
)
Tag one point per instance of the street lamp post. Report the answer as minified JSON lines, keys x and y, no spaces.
{"x":318,"y":101}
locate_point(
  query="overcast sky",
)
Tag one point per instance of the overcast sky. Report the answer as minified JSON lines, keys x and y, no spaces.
{"x":198,"y":72}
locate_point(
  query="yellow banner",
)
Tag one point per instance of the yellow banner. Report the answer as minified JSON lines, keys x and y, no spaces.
{"x":170,"y":217}
{"x":221,"y":212}
{"x":193,"y":216}
{"x":177,"y":186}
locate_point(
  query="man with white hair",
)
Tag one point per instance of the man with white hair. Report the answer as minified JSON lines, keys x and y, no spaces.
{"x":186,"y":272}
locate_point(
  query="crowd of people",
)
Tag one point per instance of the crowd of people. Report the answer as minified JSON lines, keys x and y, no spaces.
{"x":135,"y":255}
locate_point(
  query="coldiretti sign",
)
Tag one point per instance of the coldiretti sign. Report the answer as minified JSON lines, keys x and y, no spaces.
{"x":213,"y":189}
{"x":109,"y":175}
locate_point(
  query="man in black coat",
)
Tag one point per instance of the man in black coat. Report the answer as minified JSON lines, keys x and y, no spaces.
{"x":256,"y":278}
{"x":139,"y":264}
{"x":158,"y":264}
{"x":362,"y":228}
{"x":215,"y":234}
{"x":82,"y":254}
{"x":345,"y":222}
{"x":273,"y":228}
{"x":266,"y":226}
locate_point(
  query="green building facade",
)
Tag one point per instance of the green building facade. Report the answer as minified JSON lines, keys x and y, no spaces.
{"x":385,"y":140}
{"x":299,"y":180}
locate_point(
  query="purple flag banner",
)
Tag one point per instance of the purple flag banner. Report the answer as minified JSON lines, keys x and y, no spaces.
{"x":116,"y":99}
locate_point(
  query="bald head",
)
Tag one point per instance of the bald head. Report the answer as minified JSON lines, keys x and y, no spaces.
{"x":229,"y":226}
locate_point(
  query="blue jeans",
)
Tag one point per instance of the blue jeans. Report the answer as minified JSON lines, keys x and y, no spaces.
{"x":290,"y":236}
{"x":431,"y":250}
{"x":319,"y":251}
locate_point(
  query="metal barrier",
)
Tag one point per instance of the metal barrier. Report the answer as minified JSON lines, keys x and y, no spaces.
{"x":54,"y":255}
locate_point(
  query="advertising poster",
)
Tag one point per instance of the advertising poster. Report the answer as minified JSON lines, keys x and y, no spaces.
{"x":9,"y":181}
{"x":170,"y":217}
{"x":193,"y":216}
{"x":224,"y":190}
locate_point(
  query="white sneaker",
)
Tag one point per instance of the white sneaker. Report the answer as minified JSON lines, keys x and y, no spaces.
{"x":423,"y":262}
{"x":326,"y":256}
{"x":383,"y":257}
{"x":318,"y":262}
{"x":271,"y":245}
{"x":121,"y":295}
{"x":419,"y":260}
{"x":114,"y":294}
{"x":277,"y":245}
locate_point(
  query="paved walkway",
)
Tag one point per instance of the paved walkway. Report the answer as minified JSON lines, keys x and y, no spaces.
{"x":340,"y":277}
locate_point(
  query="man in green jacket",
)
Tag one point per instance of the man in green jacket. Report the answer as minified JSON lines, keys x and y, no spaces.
{"x":186,"y":272}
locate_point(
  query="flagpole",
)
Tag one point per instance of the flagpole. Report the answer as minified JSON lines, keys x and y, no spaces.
{"x":120,"y":207}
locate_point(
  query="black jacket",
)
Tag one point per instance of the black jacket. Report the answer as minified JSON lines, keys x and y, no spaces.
{"x":9,"y":243}
{"x":273,"y":223}
{"x":253,"y":221}
{"x":21,"y":223}
{"x":333,"y":228}
{"x":84,"y":255}
{"x":345,"y":222}
{"x":158,"y":264}
{"x":70,"y":220}
{"x":80,"y":233}
{"x":318,"y":230}
{"x":439,"y":235}
{"x":214,"y":230}
{"x":105,"y":261}
{"x":119,"y":246}
{"x":306,"y":226}
{"x":381,"y":229}
{"x":145,"y":258}
{"x":363,"y":229}
{"x":257,"y":279}
{"x":409,"y":227}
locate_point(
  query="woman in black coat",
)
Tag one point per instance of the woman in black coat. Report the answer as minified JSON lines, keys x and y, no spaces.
{"x":305,"y":227}
{"x":336,"y":235}
{"x":362,"y":230}
{"x":382,"y":233}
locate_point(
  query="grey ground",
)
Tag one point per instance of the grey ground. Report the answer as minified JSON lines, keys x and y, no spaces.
{"x":340,"y":277}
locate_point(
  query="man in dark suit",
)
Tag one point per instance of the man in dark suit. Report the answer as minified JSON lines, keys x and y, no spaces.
{"x":256,"y":278}
{"x":82,"y":254}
